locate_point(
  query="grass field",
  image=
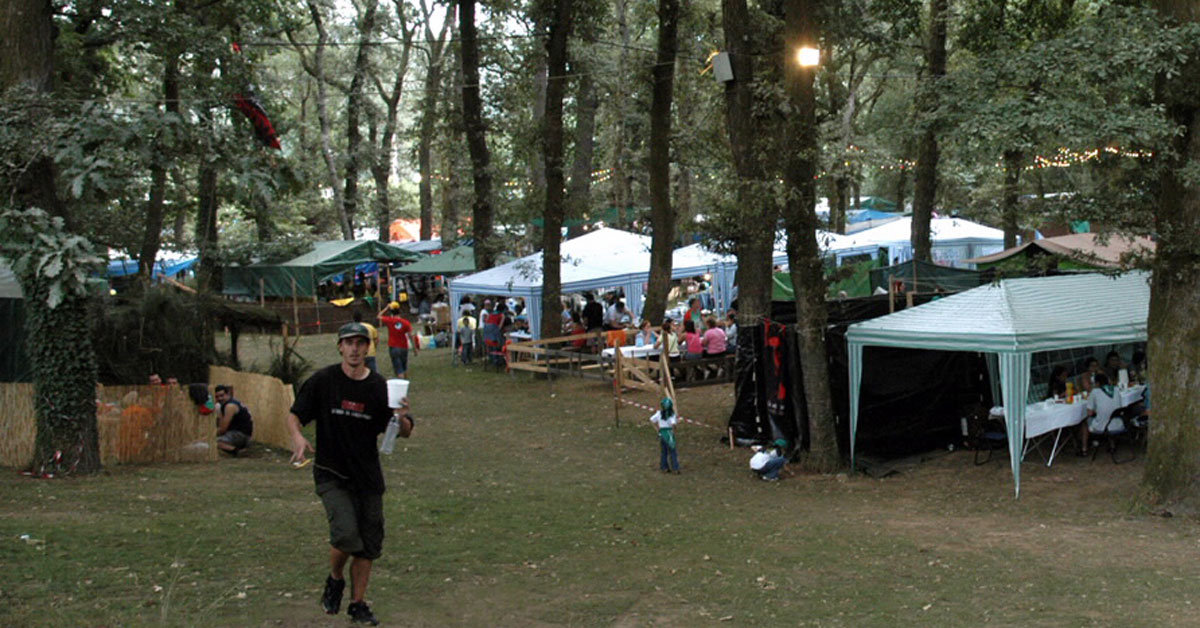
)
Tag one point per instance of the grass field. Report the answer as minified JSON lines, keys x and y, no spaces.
{"x":519,"y":502}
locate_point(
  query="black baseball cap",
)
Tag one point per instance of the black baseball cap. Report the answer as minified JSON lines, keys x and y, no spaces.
{"x":350,"y":330}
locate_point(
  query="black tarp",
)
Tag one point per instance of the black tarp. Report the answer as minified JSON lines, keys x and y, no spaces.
{"x":14,"y":365}
{"x":912,"y":399}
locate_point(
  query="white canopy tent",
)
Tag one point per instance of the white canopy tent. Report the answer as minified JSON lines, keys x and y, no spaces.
{"x":952,"y":240}
{"x":1012,"y":319}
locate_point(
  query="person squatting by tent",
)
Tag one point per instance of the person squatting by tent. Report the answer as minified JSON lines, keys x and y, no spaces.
{"x":665,"y":420}
{"x":768,"y":462}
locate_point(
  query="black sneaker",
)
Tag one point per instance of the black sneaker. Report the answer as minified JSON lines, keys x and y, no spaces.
{"x":360,"y":613}
{"x":331,"y":599}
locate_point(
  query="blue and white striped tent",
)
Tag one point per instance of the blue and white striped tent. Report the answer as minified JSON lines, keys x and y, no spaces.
{"x":1012,"y":319}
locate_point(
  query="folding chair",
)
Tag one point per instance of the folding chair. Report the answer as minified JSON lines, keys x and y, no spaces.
{"x":1117,"y":429}
{"x":985,"y":434}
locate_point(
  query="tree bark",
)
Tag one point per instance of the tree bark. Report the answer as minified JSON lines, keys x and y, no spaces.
{"x":207,"y":272}
{"x":1011,"y":202}
{"x":434,"y":58}
{"x":1173,"y":456}
{"x":152,"y":236}
{"x":316,"y":68}
{"x":804,"y":254}
{"x":579,"y":190}
{"x":552,"y":146}
{"x":622,"y":179}
{"x":354,"y":105}
{"x":27,"y":62}
{"x":476,"y":130}
{"x":925,"y":177}
{"x":662,"y":214}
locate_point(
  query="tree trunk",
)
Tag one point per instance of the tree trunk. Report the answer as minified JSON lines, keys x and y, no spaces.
{"x":152,"y":236}
{"x":552,"y":146}
{"x":317,"y":70}
{"x":579,"y":190}
{"x":435,"y":55}
{"x":27,"y":61}
{"x":354,"y":106}
{"x":1011,"y":202}
{"x":476,"y":130}
{"x":207,"y":271}
{"x":622,"y":179}
{"x":64,"y":363}
{"x":662,"y":215}
{"x":1173,"y":456}
{"x":925,"y":178}
{"x":804,"y":254}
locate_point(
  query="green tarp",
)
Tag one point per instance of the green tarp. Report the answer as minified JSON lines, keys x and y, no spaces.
{"x":457,"y":261}
{"x":327,"y":259}
{"x":926,"y":277}
{"x":857,"y":284}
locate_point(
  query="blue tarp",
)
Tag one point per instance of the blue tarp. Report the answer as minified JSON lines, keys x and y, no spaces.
{"x":126,"y":267}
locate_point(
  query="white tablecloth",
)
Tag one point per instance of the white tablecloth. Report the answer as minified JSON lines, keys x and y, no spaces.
{"x":1045,"y":417}
{"x":630,"y":351}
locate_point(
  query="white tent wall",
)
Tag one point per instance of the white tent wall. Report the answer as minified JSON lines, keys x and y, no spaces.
{"x":1012,"y":319}
{"x":952,"y":240}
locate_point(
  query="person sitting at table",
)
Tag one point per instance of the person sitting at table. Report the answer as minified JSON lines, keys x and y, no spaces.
{"x":1113,"y":365}
{"x":1087,"y":379}
{"x":713,"y":341}
{"x":1102,"y":402}
{"x":1058,"y":383}
{"x":577,"y":328}
{"x":694,"y":350}
{"x":668,"y":341}
{"x":645,"y":336}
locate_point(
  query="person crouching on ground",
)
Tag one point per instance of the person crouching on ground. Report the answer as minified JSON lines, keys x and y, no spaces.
{"x":349,"y":404}
{"x":665,"y":420}
{"x":768,"y":463}
{"x":235,"y":426}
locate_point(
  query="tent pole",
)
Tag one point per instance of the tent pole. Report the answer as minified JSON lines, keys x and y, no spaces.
{"x":262,"y":299}
{"x":295,"y":307}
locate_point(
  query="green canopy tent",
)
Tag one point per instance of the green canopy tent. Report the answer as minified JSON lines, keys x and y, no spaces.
{"x":456,"y":261}
{"x":14,"y":367}
{"x":1012,"y":319}
{"x":327,"y":259}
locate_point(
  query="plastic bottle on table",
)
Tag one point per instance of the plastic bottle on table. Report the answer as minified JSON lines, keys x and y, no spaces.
{"x":1070,"y":392}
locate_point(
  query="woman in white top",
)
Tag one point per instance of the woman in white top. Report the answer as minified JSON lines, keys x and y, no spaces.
{"x":1102,"y":402}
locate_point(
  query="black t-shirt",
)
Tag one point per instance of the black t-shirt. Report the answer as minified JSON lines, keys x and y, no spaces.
{"x":593,"y":315}
{"x":350,"y":414}
{"x":241,"y":421}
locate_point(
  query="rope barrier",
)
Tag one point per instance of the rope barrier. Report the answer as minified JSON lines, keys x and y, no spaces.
{"x":679,"y":416}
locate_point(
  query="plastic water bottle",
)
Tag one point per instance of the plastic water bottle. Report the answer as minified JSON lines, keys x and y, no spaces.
{"x":389,"y":436}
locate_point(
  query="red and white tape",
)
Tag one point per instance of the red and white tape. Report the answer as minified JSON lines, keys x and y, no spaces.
{"x":681,"y":417}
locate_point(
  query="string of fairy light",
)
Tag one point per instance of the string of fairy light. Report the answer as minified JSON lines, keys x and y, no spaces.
{"x":1061,"y":158}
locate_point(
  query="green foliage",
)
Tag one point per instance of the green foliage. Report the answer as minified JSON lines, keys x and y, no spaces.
{"x":52,"y":266}
{"x":162,"y":330}
{"x":288,"y":365}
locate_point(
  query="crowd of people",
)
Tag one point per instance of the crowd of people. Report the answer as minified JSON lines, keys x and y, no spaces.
{"x":1098,"y":385}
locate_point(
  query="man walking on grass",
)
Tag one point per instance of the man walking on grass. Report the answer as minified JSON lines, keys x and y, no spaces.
{"x":350,"y":406}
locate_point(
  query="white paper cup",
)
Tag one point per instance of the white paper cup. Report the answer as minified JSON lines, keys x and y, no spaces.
{"x":397,"y":391}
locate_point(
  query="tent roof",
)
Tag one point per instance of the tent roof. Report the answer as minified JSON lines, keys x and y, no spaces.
{"x":1020,"y":315}
{"x":1081,"y":247}
{"x":456,"y":261}
{"x":940,"y":230}
{"x":598,"y":259}
{"x":10,"y":288}
{"x":330,"y":257}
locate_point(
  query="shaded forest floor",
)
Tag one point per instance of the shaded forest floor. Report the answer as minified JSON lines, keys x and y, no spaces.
{"x":520,"y":502}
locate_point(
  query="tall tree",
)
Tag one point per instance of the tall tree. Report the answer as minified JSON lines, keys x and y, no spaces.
{"x":476,"y":131}
{"x":580,"y":186}
{"x":152,"y":236}
{"x":662,"y":214}
{"x":315,"y":67}
{"x":384,"y":153}
{"x":925,"y":179}
{"x":435,"y":54}
{"x":1173,"y":464}
{"x":52,"y":272}
{"x":559,"y":29}
{"x":800,"y":218}
{"x":367,"y":11}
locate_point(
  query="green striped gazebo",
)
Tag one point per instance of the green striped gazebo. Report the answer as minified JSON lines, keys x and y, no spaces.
{"x":1012,"y":319}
